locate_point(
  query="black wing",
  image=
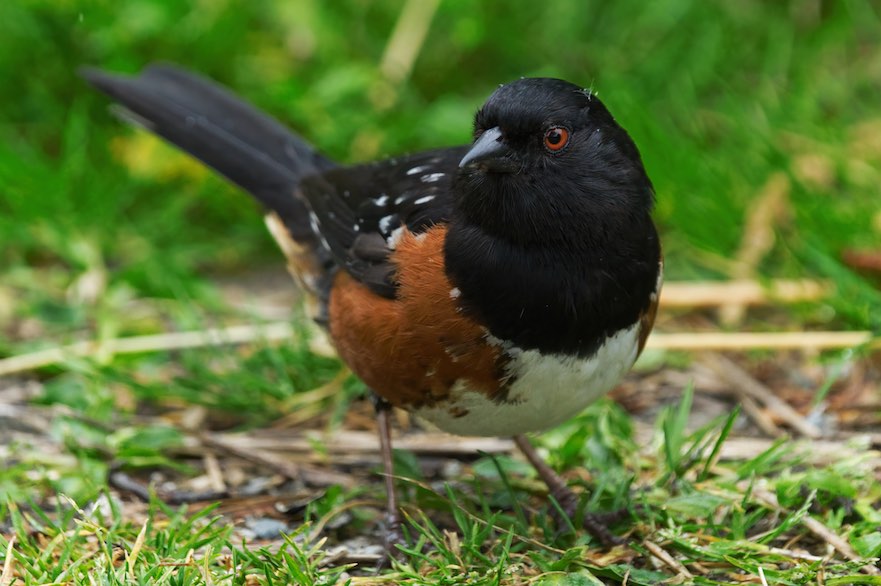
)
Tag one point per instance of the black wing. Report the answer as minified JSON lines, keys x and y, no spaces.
{"x":359,"y":211}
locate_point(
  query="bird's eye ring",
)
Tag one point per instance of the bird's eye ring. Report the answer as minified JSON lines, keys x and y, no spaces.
{"x":556,"y":138}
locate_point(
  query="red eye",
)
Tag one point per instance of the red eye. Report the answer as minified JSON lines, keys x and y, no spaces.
{"x":556,"y":138}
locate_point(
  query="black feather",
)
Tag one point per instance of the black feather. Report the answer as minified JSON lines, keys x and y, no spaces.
{"x":359,"y":208}
{"x":248,"y":147}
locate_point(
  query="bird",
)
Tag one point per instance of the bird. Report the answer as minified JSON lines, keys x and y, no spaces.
{"x":493,"y":289}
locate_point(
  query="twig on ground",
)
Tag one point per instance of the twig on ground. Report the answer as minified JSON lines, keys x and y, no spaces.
{"x":667,"y":559}
{"x":124,"y":482}
{"x":361,"y":444}
{"x":345,"y":441}
{"x":760,"y":340}
{"x":214,"y":472}
{"x":817,"y":452}
{"x":754,"y":412}
{"x":742,"y":292}
{"x":797,"y":555}
{"x":144,"y":344}
{"x":309,"y":474}
{"x":818,"y":529}
{"x":746,"y":385}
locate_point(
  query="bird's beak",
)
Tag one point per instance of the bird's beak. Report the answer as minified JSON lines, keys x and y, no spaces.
{"x":490,"y":152}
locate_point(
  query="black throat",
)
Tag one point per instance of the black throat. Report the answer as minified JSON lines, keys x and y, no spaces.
{"x":564,"y":296}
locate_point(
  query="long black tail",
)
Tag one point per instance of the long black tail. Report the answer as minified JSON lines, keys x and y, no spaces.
{"x":248,"y":147}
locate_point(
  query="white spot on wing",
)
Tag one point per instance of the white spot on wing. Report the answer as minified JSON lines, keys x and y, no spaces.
{"x":455,"y":293}
{"x":395,"y":237}
{"x":381,"y":200}
{"x":423,"y":200}
{"x":415,"y":170}
{"x":313,"y":223}
{"x":385,"y":224}
{"x":432,"y":177}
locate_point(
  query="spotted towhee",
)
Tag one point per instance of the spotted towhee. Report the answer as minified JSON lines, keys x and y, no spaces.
{"x":492,"y":289}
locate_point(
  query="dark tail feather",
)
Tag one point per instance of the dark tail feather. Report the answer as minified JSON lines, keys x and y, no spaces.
{"x":245,"y":145}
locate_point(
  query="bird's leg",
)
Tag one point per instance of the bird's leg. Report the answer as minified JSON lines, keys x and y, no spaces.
{"x":393,"y":533}
{"x":568,"y":500}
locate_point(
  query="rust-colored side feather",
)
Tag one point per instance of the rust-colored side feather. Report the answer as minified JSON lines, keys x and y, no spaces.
{"x":647,"y":318}
{"x":408,"y":350}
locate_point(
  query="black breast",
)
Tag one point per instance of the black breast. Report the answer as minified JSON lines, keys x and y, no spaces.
{"x":555,"y":299}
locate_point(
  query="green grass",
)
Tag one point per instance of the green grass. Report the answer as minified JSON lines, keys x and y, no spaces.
{"x":105,"y":232}
{"x":715,"y":516}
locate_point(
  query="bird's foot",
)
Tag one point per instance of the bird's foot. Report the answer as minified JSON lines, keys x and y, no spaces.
{"x":394,"y":537}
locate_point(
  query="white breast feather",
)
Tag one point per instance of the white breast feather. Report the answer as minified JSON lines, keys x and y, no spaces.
{"x":548,"y":389}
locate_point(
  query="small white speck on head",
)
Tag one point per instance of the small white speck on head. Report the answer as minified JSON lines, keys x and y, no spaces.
{"x":432,"y":177}
{"x":385,"y":224}
{"x":346,"y":193}
{"x":455,"y":293}
{"x":357,"y":228}
{"x":382,"y":200}
{"x":417,"y":169}
{"x":423,"y":200}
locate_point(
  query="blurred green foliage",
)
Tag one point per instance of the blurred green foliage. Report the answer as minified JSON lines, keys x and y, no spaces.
{"x":719,"y":96}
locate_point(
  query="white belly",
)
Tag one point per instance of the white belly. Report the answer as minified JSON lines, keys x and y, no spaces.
{"x":547,"y":390}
